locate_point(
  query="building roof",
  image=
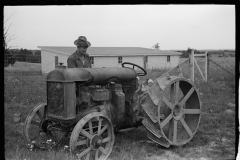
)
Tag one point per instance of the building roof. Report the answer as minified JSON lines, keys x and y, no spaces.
{"x":110,"y":51}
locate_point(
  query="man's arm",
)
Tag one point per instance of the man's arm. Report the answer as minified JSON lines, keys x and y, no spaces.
{"x":71,"y":63}
{"x":90,"y":65}
{"x":88,"y":59}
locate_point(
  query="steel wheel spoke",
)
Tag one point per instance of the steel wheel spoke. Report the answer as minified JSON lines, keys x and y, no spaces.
{"x":186,"y":127}
{"x":187,"y":96}
{"x":172,"y":94}
{"x":102,"y":150}
{"x":39,"y":115}
{"x":103,"y":129}
{"x":96,"y":155}
{"x":90,"y":127}
{"x":88,"y":156}
{"x":176,"y":91}
{"x":106,"y":139}
{"x":99,"y":125}
{"x":35,"y":123}
{"x":86,"y":134}
{"x":163,"y":123}
{"x":166,"y":101}
{"x":79,"y":143}
{"x":170,"y":129}
{"x":175,"y":132}
{"x":191,"y":111}
{"x":84,"y":152}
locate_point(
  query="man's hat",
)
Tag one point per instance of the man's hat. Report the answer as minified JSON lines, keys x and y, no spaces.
{"x":82,"y":42}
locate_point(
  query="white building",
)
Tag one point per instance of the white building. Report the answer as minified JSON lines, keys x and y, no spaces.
{"x":111,"y":57}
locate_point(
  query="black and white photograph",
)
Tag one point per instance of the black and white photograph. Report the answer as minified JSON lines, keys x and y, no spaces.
{"x":120,"y":82}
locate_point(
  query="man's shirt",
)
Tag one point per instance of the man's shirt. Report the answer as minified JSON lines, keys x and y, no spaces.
{"x":76,"y":61}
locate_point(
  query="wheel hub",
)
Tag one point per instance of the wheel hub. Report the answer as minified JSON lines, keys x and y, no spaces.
{"x":44,"y":125}
{"x":177,"y":111}
{"x":96,"y":141}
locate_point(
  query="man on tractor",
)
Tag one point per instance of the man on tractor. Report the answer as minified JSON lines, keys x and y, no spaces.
{"x":80,"y":59}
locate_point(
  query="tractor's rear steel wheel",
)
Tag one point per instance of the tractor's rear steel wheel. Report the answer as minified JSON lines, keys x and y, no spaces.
{"x":172,"y":109}
{"x":181,"y":106}
{"x":92,"y":137}
{"x":33,"y":126}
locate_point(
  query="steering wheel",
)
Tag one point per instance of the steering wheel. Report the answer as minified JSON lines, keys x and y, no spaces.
{"x":139,"y":74}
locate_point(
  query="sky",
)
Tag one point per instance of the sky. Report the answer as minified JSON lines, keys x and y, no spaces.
{"x":174,"y":27}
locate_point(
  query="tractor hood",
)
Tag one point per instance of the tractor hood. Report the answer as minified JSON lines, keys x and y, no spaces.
{"x":92,"y":75}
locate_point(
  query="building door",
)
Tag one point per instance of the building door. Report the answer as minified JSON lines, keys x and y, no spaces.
{"x":168,"y":64}
{"x":56,"y":61}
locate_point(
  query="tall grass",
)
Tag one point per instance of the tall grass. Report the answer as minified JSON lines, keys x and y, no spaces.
{"x":24,"y":89}
{"x":215,"y":138}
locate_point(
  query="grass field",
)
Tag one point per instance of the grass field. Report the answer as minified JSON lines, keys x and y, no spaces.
{"x":215,"y":138}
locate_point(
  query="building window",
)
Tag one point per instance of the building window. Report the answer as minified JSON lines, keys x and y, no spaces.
{"x":92,"y":60}
{"x":146,"y":58}
{"x":119,"y":59}
{"x":168,"y":58}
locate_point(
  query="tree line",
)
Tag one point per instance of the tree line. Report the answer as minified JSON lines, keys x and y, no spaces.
{"x":22,"y":55}
{"x":220,"y":53}
{"x":185,"y":53}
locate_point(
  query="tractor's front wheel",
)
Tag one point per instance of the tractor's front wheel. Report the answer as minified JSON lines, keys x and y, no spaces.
{"x":35,"y":123}
{"x":92,"y":137}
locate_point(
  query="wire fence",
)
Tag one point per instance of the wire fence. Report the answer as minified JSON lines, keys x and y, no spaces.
{"x":23,"y":80}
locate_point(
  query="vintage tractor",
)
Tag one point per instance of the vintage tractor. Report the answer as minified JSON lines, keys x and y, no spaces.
{"x":85,"y":106}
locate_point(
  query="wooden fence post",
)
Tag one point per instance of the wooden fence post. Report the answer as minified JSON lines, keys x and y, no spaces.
{"x":191,"y":68}
{"x":208,"y":70}
{"x":206,"y":66}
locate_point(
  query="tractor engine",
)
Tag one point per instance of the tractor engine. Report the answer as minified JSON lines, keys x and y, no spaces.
{"x":72,"y":93}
